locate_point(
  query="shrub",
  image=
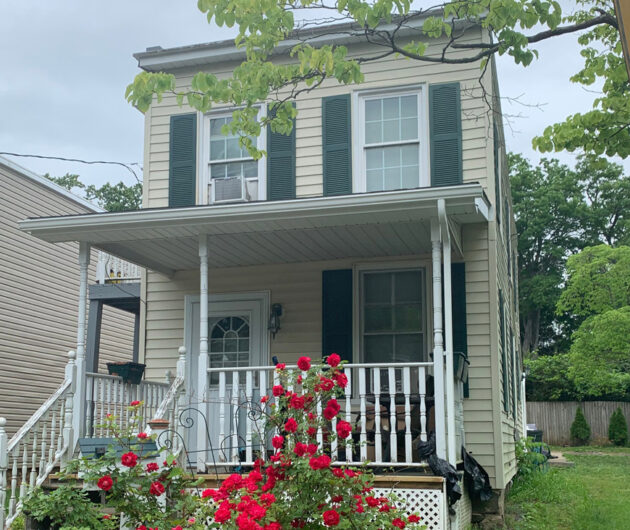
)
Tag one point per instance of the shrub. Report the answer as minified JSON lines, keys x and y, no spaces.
{"x":529,"y":458}
{"x":618,"y":428}
{"x":580,"y":429}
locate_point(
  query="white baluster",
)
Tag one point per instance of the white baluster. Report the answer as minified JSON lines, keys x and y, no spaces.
{"x":24,"y":480}
{"x":235,"y":415}
{"x":68,"y":427}
{"x":320,"y":434}
{"x":348,"y":393}
{"x":378,"y":443}
{"x":362,"y":398}
{"x":263,"y":406}
{"x":422,"y":386}
{"x":34,"y":459}
{"x":407,"y":392}
{"x":53,"y":440}
{"x":222,"y":398}
{"x":276,"y":400}
{"x":109,"y":402}
{"x":43,"y":451}
{"x":101,"y":415}
{"x":89,"y":406}
{"x":249,"y":396}
{"x":393,"y":441}
{"x":4,"y":465}
{"x":62,"y":415}
{"x":14,"y":481}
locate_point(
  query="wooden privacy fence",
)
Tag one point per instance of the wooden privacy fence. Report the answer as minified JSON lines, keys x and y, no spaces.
{"x":554,"y":418}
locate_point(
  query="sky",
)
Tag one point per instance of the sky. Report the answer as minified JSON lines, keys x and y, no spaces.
{"x":65,"y":64}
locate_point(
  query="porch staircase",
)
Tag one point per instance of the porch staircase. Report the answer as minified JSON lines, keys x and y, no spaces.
{"x":49,"y":439}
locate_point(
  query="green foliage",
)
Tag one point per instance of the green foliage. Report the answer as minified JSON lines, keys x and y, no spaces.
{"x":603,"y":129}
{"x":111,"y":197}
{"x":64,"y":507}
{"x":262,"y":26}
{"x":618,"y":428}
{"x":548,"y":379}
{"x":580,"y":429}
{"x":529,"y":458}
{"x":558,"y":212}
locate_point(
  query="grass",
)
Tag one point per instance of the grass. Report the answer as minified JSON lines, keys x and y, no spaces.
{"x":592,"y":495}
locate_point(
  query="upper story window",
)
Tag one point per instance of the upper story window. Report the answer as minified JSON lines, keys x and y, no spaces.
{"x":230,"y":173}
{"x":391,"y":151}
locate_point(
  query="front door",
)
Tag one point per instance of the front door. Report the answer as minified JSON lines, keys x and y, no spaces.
{"x":236,"y":338}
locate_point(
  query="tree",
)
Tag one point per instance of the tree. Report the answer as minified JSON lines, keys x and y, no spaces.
{"x":111,"y":197}
{"x":618,"y":428}
{"x":605,"y":128}
{"x":580,"y":429}
{"x":558,"y":212}
{"x":548,"y":379}
{"x":394,"y":28}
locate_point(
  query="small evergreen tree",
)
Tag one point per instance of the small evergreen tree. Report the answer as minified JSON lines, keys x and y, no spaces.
{"x":580,"y":429}
{"x":618,"y":428}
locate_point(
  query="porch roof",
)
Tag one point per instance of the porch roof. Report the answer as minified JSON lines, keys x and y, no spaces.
{"x":311,"y":229}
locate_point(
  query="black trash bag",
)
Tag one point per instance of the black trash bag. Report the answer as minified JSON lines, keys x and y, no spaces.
{"x":441,"y":468}
{"x":477,"y":480}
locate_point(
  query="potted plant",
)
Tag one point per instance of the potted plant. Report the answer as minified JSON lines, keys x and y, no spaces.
{"x":130,"y":372}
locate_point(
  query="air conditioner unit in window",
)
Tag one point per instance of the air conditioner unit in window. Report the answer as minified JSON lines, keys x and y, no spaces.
{"x":228,"y":189}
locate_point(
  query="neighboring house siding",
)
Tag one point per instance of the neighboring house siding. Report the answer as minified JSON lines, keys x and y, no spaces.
{"x":39,"y":285}
{"x":382,"y":73}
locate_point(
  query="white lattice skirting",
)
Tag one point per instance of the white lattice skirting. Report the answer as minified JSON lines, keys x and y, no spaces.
{"x":429,"y":504}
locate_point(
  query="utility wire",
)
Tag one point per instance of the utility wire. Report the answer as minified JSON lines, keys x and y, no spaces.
{"x":126,"y":165}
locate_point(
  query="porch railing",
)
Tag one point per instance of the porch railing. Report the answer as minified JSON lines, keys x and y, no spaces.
{"x":45,"y":441}
{"x":107,"y":394}
{"x":387,"y":405}
{"x":110,"y":269}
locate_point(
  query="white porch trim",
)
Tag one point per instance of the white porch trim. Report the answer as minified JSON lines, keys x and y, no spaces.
{"x":79,"y":395}
{"x":203,"y":364}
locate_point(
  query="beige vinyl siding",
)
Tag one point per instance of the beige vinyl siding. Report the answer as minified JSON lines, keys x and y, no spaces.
{"x":39,"y":288}
{"x":382,"y":73}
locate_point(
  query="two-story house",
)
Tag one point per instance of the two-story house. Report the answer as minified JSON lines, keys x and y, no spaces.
{"x":380,"y":229}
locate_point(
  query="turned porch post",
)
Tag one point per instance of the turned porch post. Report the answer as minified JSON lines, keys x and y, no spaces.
{"x":78,"y":420}
{"x":438,"y":339}
{"x":202,"y":382}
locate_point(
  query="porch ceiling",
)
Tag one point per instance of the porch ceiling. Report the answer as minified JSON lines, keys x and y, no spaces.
{"x":373,"y":224}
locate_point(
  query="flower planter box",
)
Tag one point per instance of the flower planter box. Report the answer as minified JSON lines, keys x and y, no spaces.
{"x":129,"y":372}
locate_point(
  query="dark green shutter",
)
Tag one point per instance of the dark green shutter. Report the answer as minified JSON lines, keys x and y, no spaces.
{"x":182,"y":167}
{"x":337,"y":313}
{"x":280,"y":165}
{"x":497,"y":172}
{"x":458,"y":297}
{"x":503,"y":348}
{"x":446,"y":134}
{"x":336,"y":145}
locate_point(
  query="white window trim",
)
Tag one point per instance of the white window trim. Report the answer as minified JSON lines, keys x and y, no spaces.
{"x":390,"y":266}
{"x":204,"y":158}
{"x":359,"y":181}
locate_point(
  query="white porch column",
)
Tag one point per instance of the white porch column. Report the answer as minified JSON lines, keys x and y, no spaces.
{"x":448,"y":332}
{"x":202,"y":381}
{"x":438,"y":340}
{"x":523,"y":405}
{"x":79,"y":408}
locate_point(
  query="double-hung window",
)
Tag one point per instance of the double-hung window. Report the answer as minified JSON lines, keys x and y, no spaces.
{"x":392,"y":147}
{"x":232,"y":173}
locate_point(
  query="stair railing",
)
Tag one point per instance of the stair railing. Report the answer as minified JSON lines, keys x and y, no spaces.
{"x":44,"y":442}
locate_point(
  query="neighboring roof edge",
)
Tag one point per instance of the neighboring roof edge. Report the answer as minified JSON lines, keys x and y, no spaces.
{"x":43,"y":181}
{"x":156,"y":58}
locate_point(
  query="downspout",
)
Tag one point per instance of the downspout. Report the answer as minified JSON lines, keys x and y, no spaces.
{"x":448,"y":332}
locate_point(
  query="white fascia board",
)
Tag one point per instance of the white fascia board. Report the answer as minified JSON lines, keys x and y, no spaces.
{"x":61,"y":228}
{"x":43,"y":181}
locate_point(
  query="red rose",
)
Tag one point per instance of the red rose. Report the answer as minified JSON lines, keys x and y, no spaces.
{"x":300,"y":449}
{"x":157,"y":488}
{"x":311,"y":431}
{"x":341,"y":379}
{"x":326,"y":384}
{"x":296,"y":402}
{"x":372,"y":501}
{"x":320,"y":462}
{"x":129,"y":459}
{"x":141,"y":527}
{"x":281,"y":366}
{"x":224,"y":513}
{"x":152,"y":466}
{"x":273,"y":526}
{"x":336,"y":498}
{"x":331,"y":518}
{"x":291,"y":425}
{"x":304,"y":363}
{"x":398,"y":522}
{"x":134,"y":403}
{"x":311,"y":449}
{"x":264,"y":399}
{"x":343,"y":429}
{"x":299,"y":379}
{"x":277,"y":442}
{"x":413,"y":519}
{"x":105,"y":483}
{"x":277,"y":390}
{"x":332,"y":409}
{"x":143,"y":435}
{"x":333,"y":360}
{"x":338,"y":472}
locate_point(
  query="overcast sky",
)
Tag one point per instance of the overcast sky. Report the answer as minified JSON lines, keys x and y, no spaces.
{"x":64,"y":66}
